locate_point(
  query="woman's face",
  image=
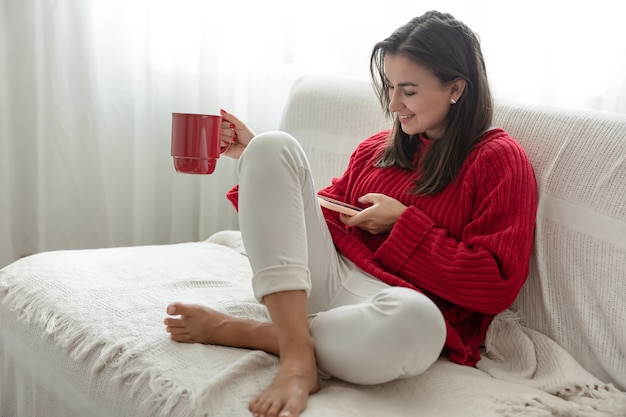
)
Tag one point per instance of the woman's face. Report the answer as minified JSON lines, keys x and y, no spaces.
{"x":417,"y":97}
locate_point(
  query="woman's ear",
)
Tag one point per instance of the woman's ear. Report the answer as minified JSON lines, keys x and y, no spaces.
{"x":457,"y":86}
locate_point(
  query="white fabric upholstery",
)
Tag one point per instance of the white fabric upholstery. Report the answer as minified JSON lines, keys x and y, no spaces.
{"x":576,"y":292}
{"x":329,"y":123}
{"x":82,"y":335}
{"x":81,"y":331}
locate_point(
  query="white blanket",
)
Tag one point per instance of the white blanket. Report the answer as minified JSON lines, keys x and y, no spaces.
{"x":112,"y":301}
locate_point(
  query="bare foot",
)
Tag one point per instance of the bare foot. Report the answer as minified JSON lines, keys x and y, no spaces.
{"x":199,"y":324}
{"x":288,"y":394}
{"x":196,"y":324}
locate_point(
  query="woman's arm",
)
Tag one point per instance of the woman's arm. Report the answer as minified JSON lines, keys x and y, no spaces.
{"x":485,"y":270}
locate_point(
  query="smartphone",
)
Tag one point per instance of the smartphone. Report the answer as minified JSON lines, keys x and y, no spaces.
{"x":339,"y":206}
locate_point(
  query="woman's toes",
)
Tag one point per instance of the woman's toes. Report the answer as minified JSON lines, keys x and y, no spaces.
{"x":273,"y":410}
{"x":181,"y":337}
{"x":291,"y":409}
{"x":176,"y":330}
{"x":255,"y":406}
{"x":180,"y":309}
{"x":172,"y":309}
{"x":172,"y":322}
{"x":264,"y":408}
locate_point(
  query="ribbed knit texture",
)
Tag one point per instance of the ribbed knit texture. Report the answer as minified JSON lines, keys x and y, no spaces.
{"x":467,"y":248}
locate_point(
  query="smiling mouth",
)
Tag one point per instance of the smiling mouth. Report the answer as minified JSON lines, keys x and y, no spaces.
{"x":404,"y":118}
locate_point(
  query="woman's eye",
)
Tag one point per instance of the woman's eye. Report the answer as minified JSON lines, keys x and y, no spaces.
{"x":409,"y":93}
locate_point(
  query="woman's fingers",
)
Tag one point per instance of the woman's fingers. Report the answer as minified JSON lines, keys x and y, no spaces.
{"x":232,"y":127}
{"x":379,"y":217}
{"x":231,"y":118}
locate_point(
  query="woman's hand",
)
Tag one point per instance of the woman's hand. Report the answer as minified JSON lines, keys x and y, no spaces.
{"x":235,"y":135}
{"x":379,"y":217}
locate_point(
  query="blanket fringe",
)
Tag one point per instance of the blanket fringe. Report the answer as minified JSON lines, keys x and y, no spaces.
{"x":519,"y":354}
{"x":165,"y":395}
{"x":78,"y":344}
{"x":587,"y":398}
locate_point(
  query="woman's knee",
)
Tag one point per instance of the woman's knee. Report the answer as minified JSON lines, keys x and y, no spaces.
{"x":408,"y":308}
{"x":272,"y":154}
{"x":271,"y":143}
{"x":398,"y":334}
{"x":416,"y":321}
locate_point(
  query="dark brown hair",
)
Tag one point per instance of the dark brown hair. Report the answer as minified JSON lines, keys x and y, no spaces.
{"x":450,"y":50}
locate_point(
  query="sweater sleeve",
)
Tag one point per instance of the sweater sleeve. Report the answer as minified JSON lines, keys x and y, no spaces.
{"x":233,"y":196}
{"x":486,"y":268}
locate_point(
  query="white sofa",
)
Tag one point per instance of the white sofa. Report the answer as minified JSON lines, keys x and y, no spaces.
{"x":81,"y":332}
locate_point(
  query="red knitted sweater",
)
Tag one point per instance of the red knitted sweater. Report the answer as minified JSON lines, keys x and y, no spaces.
{"x":467,"y":247}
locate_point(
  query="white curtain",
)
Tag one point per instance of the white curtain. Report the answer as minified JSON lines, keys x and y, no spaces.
{"x":87,"y":88}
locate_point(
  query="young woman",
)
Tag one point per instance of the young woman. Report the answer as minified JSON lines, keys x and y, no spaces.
{"x":441,"y":246}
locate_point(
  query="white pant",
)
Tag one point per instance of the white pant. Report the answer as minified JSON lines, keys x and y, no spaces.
{"x":364,"y":331}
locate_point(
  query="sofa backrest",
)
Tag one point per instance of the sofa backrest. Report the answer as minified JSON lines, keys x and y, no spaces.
{"x":576,"y":290}
{"x":330,"y":116}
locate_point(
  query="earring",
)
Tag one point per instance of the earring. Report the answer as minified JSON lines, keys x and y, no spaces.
{"x":452,"y":101}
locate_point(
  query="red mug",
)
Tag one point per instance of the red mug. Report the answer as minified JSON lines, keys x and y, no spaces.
{"x":196,"y":142}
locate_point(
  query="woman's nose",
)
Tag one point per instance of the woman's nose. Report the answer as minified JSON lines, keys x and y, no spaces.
{"x":394,"y":103}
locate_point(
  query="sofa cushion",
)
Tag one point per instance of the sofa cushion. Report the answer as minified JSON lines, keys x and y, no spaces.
{"x":329,"y":123}
{"x":576,"y":290}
